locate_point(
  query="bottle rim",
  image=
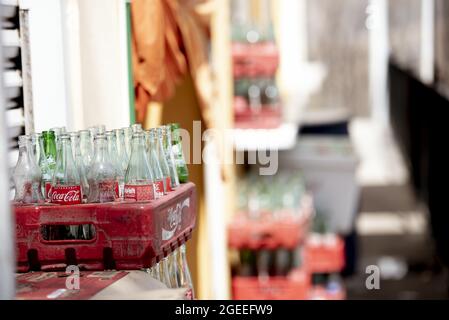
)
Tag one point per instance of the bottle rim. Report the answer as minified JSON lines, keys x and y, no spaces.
{"x":50,"y":133}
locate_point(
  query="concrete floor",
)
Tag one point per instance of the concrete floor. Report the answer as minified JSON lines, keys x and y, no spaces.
{"x":425,"y":278}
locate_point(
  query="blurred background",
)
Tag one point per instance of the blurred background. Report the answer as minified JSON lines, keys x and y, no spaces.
{"x":348,"y":98}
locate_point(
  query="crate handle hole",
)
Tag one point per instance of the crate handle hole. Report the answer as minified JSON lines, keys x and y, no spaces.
{"x":83,"y":232}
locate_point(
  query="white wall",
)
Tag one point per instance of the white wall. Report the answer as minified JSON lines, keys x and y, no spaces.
{"x":79,"y":63}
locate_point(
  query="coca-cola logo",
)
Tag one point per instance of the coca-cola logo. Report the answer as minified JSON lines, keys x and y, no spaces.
{"x":66,"y":194}
{"x":139,"y":192}
{"x":174,"y":219}
{"x":130,"y":190}
{"x":159,"y":188}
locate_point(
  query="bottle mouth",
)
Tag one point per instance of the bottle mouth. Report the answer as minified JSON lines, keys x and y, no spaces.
{"x":138,"y":134}
{"x":100,"y":136}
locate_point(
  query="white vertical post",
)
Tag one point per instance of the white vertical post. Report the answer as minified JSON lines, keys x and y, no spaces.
{"x":104,"y":62}
{"x":427,"y":62}
{"x":48,"y":81}
{"x":377,"y":24}
{"x":7,"y":258}
{"x":216,"y":222}
{"x":70,"y":21}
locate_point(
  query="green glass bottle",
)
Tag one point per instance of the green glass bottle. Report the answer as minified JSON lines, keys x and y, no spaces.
{"x":181,"y":166}
{"x":47,"y":162}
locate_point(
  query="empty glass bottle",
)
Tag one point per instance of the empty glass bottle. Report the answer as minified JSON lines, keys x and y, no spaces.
{"x":116,"y":162}
{"x":159,"y":188}
{"x":86,"y":148}
{"x":27,"y":175}
{"x":181,"y":166}
{"x":128,"y":133}
{"x":47,"y":162}
{"x":102,"y":175}
{"x":36,"y":139}
{"x":169,"y":155}
{"x":157,"y":134}
{"x":185,"y":280}
{"x":58,"y":132}
{"x":66,"y":186}
{"x":139,"y":177}
{"x":121,"y":149}
{"x":137,"y":127}
{"x":79,"y":163}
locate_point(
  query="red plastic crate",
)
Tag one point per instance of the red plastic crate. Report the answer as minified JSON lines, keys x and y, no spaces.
{"x":255,"y":60}
{"x":267,"y":234}
{"x":324,"y":257}
{"x":269,"y":117}
{"x":294,"y":287}
{"x":129,"y":236}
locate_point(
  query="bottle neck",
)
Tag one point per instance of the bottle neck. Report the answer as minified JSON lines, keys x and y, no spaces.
{"x":166,"y":137}
{"x":100,"y":147}
{"x":42,"y":153}
{"x":50,"y":146}
{"x":75,"y":139}
{"x":112,"y":146}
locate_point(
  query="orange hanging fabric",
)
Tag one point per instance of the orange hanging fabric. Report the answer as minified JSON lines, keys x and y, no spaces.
{"x":170,"y":38}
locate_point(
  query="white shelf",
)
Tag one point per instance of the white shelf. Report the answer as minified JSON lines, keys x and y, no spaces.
{"x":282,"y":138}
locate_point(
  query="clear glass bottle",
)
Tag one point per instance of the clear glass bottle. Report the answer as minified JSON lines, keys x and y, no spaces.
{"x":36,"y":139}
{"x":102,"y":175}
{"x":101,"y":129}
{"x":159,"y":188}
{"x":137,"y":127}
{"x":157,"y":136}
{"x":128,"y":133}
{"x":79,"y":162}
{"x":58,"y":132}
{"x":185,"y":280}
{"x":139,"y":177}
{"x":121,"y":148}
{"x":169,"y":155}
{"x":93,"y":131}
{"x":86,"y":148}
{"x":27,"y":175}
{"x":66,"y":186}
{"x":164,"y":273}
{"x":116,"y":162}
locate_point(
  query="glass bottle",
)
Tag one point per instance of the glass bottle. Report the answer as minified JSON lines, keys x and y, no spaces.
{"x":128,"y":134}
{"x":137,"y":127}
{"x":66,"y":186}
{"x":101,"y":129}
{"x":102,"y":176}
{"x":116,"y":162}
{"x":181,"y":166}
{"x":86,"y":148}
{"x":36,"y":139}
{"x":159,"y":189}
{"x":58,"y":133}
{"x":27,"y":175}
{"x":139,"y":177}
{"x":185,"y":280}
{"x":121,"y":148}
{"x":164,"y":273}
{"x":79,"y":163}
{"x":169,"y":155}
{"x":157,"y":134}
{"x":93,"y":131}
{"x":47,"y":162}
